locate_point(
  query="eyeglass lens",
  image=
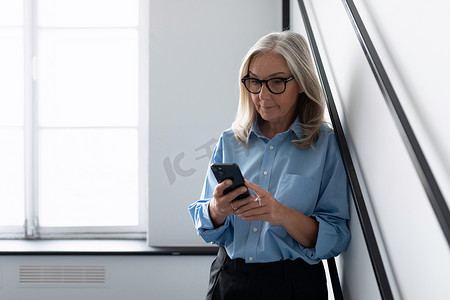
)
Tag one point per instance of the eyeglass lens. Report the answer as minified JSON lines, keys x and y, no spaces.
{"x":275,"y":85}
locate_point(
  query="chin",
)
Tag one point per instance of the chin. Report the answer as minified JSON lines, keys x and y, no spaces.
{"x":267,"y":116}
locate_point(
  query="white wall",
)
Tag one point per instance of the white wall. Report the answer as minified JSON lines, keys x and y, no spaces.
{"x":127,"y":278}
{"x":196,"y":48}
{"x":410,"y":38}
{"x":413,"y":247}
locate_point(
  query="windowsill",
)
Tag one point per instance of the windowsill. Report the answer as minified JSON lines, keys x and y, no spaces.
{"x":95,"y":247}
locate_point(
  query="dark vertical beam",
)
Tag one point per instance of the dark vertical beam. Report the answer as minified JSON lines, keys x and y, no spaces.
{"x":335,"y":282}
{"x":286,"y":19}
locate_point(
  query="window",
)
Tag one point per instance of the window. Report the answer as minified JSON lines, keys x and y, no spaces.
{"x":73,"y":118}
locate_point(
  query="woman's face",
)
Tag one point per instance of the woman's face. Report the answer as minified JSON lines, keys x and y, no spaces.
{"x":274,"y":108}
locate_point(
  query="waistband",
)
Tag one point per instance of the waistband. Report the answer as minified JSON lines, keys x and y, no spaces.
{"x":282,"y":266}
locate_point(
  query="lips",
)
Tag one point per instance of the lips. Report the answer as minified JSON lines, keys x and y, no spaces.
{"x":267,"y":107}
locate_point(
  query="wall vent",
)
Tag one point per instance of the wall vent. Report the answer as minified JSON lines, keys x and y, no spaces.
{"x":66,"y":275}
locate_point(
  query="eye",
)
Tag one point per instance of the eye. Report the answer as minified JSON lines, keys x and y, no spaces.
{"x":254,"y":82}
{"x":276,"y":82}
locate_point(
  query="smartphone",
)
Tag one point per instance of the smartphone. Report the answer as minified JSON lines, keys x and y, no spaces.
{"x":224,"y":171}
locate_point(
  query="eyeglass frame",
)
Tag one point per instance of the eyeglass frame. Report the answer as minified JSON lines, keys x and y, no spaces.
{"x":261,"y":82}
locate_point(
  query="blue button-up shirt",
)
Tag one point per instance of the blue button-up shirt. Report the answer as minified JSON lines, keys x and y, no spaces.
{"x":313,"y":181}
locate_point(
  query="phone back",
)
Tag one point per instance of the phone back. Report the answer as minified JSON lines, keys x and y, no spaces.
{"x":223,"y":171}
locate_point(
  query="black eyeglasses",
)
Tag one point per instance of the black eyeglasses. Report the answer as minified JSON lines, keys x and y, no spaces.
{"x":274,"y":85}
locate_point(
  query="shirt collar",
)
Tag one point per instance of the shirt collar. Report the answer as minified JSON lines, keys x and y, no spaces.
{"x":295,"y":128}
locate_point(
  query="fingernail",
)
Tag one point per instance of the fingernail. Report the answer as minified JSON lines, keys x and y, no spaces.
{"x":243,"y":190}
{"x":228,"y":182}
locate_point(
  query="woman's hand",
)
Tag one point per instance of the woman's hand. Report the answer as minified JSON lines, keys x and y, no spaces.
{"x":222,"y":205}
{"x":264,"y":208}
{"x":302,"y":228}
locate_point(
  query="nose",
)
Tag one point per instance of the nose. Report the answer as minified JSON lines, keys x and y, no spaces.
{"x":264,"y":93}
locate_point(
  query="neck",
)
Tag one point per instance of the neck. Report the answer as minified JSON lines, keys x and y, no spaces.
{"x":271,"y":129}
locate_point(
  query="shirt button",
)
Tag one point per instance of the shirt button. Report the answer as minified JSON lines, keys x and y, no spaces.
{"x":250,"y":258}
{"x":271,"y":147}
{"x":255,"y":229}
{"x":265,"y":173}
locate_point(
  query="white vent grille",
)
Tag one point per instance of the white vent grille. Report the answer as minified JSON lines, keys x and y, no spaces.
{"x":56,"y":275}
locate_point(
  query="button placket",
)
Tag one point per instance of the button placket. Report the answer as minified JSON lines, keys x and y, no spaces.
{"x":267,"y":164}
{"x":264,"y":181}
{"x":252,"y":240}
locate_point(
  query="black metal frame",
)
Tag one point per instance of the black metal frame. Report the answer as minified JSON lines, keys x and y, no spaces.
{"x":286,"y":15}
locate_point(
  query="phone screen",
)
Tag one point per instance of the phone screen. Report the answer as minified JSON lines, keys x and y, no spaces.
{"x":223,"y":171}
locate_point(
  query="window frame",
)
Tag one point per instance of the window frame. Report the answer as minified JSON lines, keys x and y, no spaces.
{"x":31,"y":228}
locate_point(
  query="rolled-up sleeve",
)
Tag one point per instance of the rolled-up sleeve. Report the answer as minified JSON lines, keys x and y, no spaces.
{"x":332,"y":210}
{"x":200,"y":215}
{"x":199,"y":210}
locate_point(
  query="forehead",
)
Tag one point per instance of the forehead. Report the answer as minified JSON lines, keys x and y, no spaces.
{"x":268,"y":64}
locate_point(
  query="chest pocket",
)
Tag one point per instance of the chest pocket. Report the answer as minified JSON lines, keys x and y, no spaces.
{"x":298,"y":192}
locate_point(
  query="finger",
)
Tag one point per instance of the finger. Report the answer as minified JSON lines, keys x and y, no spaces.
{"x":223,"y":185}
{"x":219,"y":191}
{"x":255,"y":218}
{"x":252,"y":203}
{"x":243,"y":203}
{"x":253,"y":214}
{"x":259,"y":191}
{"x":235,"y":193}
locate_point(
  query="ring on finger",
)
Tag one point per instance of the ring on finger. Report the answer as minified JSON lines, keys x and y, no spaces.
{"x":234,"y":208}
{"x":259,"y":201}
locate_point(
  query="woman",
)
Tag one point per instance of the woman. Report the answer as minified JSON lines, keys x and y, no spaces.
{"x":272,"y":242}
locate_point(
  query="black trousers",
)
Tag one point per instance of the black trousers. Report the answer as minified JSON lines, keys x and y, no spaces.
{"x":233,"y":279}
